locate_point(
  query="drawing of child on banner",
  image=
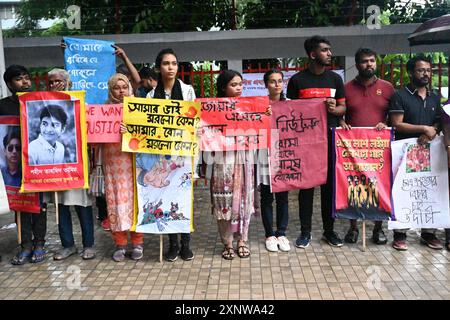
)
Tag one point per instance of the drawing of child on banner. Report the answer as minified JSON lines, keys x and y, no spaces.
{"x":164,"y":191}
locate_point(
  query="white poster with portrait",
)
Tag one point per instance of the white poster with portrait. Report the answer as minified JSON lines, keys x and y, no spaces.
{"x":420,"y":189}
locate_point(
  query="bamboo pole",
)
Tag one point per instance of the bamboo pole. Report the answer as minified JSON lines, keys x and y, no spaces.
{"x":56,"y":208}
{"x":160,"y":248}
{"x":19,"y":227}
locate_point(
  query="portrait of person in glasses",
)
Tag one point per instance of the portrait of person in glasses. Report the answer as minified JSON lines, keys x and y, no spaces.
{"x":11,"y":171}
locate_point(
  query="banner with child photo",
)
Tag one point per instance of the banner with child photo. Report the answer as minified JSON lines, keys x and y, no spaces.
{"x":54,"y":144}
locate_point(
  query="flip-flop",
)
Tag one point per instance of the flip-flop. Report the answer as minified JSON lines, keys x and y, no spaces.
{"x":39,"y":255}
{"x":21,"y":258}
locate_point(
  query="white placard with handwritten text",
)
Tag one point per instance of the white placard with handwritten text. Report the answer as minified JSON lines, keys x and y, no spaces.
{"x":420,"y":188}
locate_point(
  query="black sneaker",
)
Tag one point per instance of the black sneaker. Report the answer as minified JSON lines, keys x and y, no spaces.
{"x":186,"y":253}
{"x":172,"y":254}
{"x":332,"y":238}
{"x":303,"y":240}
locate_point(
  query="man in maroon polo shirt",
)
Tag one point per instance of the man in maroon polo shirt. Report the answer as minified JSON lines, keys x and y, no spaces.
{"x":367,"y":99}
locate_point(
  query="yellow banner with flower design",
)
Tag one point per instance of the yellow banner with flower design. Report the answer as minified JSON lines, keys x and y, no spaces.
{"x":160,"y":126}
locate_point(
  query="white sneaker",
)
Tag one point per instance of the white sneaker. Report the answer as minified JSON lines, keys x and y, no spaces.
{"x":272,"y":244}
{"x":283,"y":243}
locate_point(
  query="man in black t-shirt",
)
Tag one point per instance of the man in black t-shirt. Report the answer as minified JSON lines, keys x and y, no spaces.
{"x":33,"y":226}
{"x":414,"y":112}
{"x":17,"y":79}
{"x":318,"y":82}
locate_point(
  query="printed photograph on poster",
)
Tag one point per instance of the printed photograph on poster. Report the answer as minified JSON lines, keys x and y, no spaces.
{"x":51,"y":132}
{"x":164,"y":193}
{"x":54,"y":141}
{"x":10,"y":155}
{"x":11,"y":167}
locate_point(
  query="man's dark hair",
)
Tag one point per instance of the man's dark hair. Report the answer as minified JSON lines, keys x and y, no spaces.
{"x":411,"y":64}
{"x":14,"y":133}
{"x":147,"y":73}
{"x":54,"y":111}
{"x":122,"y":68}
{"x":364,"y":52}
{"x":223,"y":79}
{"x":13,"y":71}
{"x":313,"y":43}
{"x":161,"y":54}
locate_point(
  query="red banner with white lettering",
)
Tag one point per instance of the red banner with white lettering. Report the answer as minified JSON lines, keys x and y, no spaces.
{"x":362,"y":181}
{"x":298,"y":153}
{"x":234,"y":123}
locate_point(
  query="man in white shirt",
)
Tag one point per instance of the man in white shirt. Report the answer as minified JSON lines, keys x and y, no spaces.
{"x":46,"y":149}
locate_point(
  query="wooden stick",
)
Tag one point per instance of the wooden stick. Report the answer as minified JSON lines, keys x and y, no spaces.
{"x":19,"y":227}
{"x":364,"y":234}
{"x":161,"y":248}
{"x":56,"y":208}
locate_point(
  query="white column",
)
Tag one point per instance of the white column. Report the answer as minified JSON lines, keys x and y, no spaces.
{"x":3,"y":88}
{"x":350,"y":70}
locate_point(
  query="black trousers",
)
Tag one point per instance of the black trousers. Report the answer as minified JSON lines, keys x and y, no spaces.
{"x":306,"y":199}
{"x":33,"y":228}
{"x":185,"y":238}
{"x":100,"y":203}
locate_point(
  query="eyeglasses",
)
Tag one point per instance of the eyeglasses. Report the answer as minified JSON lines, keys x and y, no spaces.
{"x":11,"y":147}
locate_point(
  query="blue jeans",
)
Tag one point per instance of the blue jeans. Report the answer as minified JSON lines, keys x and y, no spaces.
{"x":65,"y":226}
{"x":267,"y":211}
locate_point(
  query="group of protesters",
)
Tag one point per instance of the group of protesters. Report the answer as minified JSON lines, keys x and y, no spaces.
{"x":239,"y":188}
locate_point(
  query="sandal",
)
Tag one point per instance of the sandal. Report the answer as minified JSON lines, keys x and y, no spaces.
{"x":38,"y":255}
{"x":243,"y":251}
{"x":228,"y":253}
{"x":21,"y":258}
{"x":88,"y":254}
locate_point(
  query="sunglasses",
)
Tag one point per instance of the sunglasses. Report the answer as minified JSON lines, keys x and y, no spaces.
{"x":12,"y":147}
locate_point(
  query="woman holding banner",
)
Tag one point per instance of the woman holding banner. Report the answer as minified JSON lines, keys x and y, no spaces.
{"x":233,"y":183}
{"x":169,"y":87}
{"x":119,"y":180}
{"x":273,"y":80}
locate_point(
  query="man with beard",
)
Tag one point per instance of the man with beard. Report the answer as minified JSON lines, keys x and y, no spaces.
{"x":33,"y":226}
{"x":318,"y":82}
{"x":415,"y":113}
{"x":367,"y":100}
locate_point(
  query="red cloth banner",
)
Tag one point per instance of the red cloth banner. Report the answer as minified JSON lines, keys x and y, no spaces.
{"x":10,"y":165}
{"x":103,"y":123}
{"x":54,"y":153}
{"x":362,"y":182}
{"x":298,"y":153}
{"x":234,"y":123}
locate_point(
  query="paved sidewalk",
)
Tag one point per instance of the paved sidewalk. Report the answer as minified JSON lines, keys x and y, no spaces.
{"x":319,"y":272}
